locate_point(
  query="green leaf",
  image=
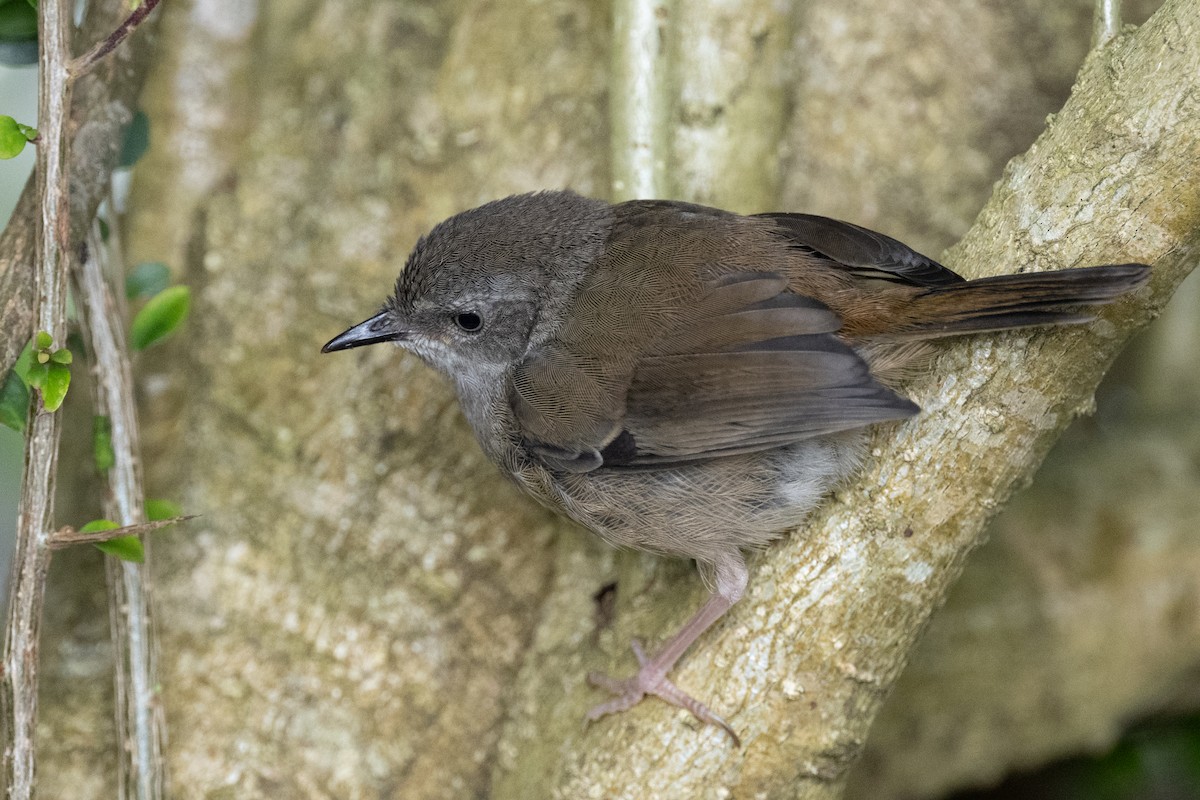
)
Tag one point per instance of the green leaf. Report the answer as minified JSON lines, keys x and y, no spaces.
{"x":54,"y":390}
{"x":147,"y":279}
{"x":61,"y":356}
{"x":12,"y":141}
{"x":43,"y":340}
{"x":17,"y":22}
{"x":36,"y":375}
{"x":14,"y":402}
{"x":162,"y":509}
{"x":137,"y":140}
{"x":159,"y":317}
{"x":97,"y":525}
{"x":24,"y":363}
{"x":102,"y":449}
{"x":126,"y":548}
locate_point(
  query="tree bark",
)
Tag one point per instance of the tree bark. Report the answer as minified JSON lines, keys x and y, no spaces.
{"x":104,"y":104}
{"x":1078,"y":617}
{"x":366,"y":609}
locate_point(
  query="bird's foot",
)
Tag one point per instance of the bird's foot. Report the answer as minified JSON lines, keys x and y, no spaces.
{"x":651,"y":678}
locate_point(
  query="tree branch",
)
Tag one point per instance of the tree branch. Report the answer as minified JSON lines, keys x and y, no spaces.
{"x":1088,"y":580}
{"x":69,"y":537}
{"x":51,"y":239}
{"x":87,"y":62}
{"x":35,"y":520}
{"x":105,"y":102}
{"x":831,"y":613}
{"x":140,"y":724}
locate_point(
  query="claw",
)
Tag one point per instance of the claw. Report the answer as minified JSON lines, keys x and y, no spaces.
{"x":651,"y":677}
{"x":677,"y":697}
{"x":623,"y":702}
{"x":650,"y":680}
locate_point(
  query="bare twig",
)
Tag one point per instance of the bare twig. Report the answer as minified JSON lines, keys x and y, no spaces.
{"x":35,"y":519}
{"x":88,"y":61}
{"x":1106,"y":23}
{"x":69,"y":537}
{"x":140,"y":726}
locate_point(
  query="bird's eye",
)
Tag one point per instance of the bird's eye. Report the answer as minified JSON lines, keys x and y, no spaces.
{"x":468,"y":321}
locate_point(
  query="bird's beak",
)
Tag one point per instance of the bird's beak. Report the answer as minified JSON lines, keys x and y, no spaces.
{"x":383,"y":327}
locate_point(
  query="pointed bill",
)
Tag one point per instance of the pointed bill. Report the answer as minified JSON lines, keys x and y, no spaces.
{"x":383,"y":327}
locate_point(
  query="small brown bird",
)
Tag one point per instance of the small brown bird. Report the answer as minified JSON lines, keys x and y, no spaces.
{"x":685,"y":380}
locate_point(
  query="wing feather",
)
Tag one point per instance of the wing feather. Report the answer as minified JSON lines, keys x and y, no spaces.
{"x":668,"y":358}
{"x":864,"y":252}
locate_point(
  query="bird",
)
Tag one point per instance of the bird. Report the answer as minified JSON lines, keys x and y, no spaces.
{"x":685,"y":380}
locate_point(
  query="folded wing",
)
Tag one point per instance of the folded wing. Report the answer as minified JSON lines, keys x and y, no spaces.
{"x":739,"y":366}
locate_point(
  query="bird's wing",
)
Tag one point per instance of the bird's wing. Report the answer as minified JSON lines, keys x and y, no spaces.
{"x":863,"y":252}
{"x":664,"y":362}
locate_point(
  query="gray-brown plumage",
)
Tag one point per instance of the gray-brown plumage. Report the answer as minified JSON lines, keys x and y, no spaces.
{"x":681,"y":379}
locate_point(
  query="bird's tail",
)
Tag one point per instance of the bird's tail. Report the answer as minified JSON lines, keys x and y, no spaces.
{"x":1026,"y":300}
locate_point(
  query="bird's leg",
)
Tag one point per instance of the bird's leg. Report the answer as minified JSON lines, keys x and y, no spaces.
{"x":651,"y":678}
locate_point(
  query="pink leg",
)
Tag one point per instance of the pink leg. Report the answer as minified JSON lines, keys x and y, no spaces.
{"x":651,"y":678}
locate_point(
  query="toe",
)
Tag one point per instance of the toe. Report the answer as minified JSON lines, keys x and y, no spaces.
{"x":677,"y":697}
{"x":610,"y":684}
{"x":616,"y":705}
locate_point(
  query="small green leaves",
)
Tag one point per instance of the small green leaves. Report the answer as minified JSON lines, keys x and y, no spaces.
{"x":157,"y":510}
{"x":14,"y":401}
{"x":128,"y":548}
{"x":13,"y":135}
{"x":42,"y":368}
{"x":147,"y":279}
{"x":54,"y":390}
{"x":102,"y":449}
{"x":122,"y":541}
{"x":11,"y":140}
{"x":167,"y":306}
{"x":137,"y":140}
{"x":159,"y":317}
{"x":23,"y":362}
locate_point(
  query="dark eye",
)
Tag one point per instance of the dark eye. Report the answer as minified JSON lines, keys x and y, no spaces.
{"x":468,"y":321}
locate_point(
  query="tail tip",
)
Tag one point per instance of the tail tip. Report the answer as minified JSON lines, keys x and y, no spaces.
{"x":1132,"y":274}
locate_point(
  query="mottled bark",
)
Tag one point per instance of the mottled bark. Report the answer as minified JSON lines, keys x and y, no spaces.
{"x":366,"y":609}
{"x":1078,"y":617}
